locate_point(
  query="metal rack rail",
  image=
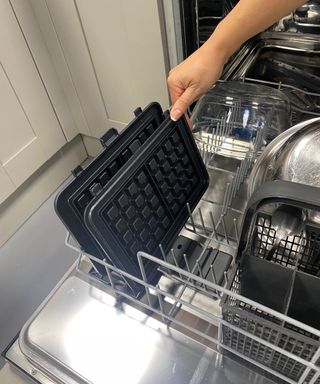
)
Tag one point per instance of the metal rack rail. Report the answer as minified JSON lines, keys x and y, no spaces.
{"x":163,"y":304}
{"x":215,"y":223}
{"x":182,"y":291}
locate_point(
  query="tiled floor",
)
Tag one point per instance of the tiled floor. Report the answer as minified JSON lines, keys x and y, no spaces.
{"x":31,"y":264}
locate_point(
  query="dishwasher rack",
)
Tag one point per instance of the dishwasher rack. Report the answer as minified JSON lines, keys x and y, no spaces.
{"x":184,"y":300}
{"x":199,"y":307}
{"x":196,"y":296}
{"x":308,"y":96}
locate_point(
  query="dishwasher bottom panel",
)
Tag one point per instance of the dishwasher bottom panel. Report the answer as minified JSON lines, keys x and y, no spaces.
{"x":80,"y":336}
{"x":93,"y":329}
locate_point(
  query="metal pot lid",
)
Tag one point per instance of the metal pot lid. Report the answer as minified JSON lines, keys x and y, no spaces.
{"x":302,"y":163}
{"x":292,"y":156}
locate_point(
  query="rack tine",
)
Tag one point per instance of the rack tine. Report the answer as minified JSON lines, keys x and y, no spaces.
{"x":186,"y":262}
{"x":212,"y":138}
{"x":224,"y":202}
{"x":202,"y":222}
{"x":215,"y":132}
{"x":175,"y":260}
{"x":221,"y":129}
{"x":225,"y":229}
{"x":199,"y":269}
{"x":240,"y":179}
{"x":78,"y":267}
{"x":217,"y":136}
{"x":96,"y":269}
{"x":236,"y":229}
{"x":159,"y":296}
{"x":243,"y":169}
{"x":200,"y":273}
{"x":213,"y":225}
{"x":213,"y":275}
{"x":225,"y":131}
{"x":228,"y":199}
{"x":191,"y":218}
{"x":208,"y":146}
{"x":233,"y":183}
{"x":109,"y":274}
{"x":229,"y":125}
{"x":237,"y":179}
{"x":164,"y":256}
{"x":145,"y":280}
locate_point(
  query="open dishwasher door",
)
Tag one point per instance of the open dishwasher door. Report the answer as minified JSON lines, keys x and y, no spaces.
{"x":79,"y":335}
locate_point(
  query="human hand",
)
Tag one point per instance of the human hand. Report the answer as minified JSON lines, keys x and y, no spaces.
{"x":193,"y":77}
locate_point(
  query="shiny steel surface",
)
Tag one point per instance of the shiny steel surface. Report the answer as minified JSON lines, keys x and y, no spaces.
{"x":285,"y":41}
{"x":305,"y":19}
{"x":286,"y":221}
{"x":308,"y":14}
{"x":301,"y":163}
{"x":79,"y":336}
{"x":268,"y":243}
{"x":286,"y":158}
{"x":15,"y":356}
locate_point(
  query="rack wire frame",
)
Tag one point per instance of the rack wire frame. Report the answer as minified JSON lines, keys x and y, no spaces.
{"x":287,"y":87}
{"x":212,"y":232}
{"x":157,"y":297}
{"x":166,"y":305}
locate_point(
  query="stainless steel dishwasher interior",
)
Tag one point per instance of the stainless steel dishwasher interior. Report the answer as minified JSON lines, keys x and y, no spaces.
{"x":182,"y":312}
{"x":287,"y":61}
{"x":182,"y":305}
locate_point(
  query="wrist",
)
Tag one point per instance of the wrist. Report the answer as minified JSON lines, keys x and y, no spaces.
{"x":217,"y":48}
{"x":224,"y":41}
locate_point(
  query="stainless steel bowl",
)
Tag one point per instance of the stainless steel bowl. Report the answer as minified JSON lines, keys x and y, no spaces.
{"x":292,"y":156}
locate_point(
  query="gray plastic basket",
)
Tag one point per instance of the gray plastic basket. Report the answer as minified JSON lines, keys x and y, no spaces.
{"x":278,"y":286}
{"x":268,"y":328}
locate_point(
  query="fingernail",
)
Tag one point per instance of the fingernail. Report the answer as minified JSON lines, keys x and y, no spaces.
{"x":175,"y":114}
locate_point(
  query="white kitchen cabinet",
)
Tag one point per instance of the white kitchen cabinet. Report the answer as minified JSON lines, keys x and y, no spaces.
{"x":6,"y":185}
{"x":69,"y":117}
{"x":125,"y":42}
{"x":113,"y":51}
{"x":30,"y":132}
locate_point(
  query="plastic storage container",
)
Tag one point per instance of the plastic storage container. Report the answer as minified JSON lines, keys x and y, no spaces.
{"x":236,"y":118}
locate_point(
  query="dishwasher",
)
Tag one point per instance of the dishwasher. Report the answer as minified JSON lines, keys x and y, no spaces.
{"x":218,"y":295}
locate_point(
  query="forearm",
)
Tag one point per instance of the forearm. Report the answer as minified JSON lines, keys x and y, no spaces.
{"x":200,"y":71}
{"x":247,"y":18}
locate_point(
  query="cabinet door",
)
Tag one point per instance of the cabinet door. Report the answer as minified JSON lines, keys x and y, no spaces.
{"x":126,"y":46}
{"x":29,"y":129}
{"x":115,"y":54}
{"x":6,"y":185}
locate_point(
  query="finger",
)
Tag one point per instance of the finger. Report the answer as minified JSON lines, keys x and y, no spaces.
{"x":175,"y":90}
{"x":175,"y":94}
{"x":183,"y":102}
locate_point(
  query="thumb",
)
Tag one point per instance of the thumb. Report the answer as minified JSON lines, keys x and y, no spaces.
{"x":184,"y":101}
